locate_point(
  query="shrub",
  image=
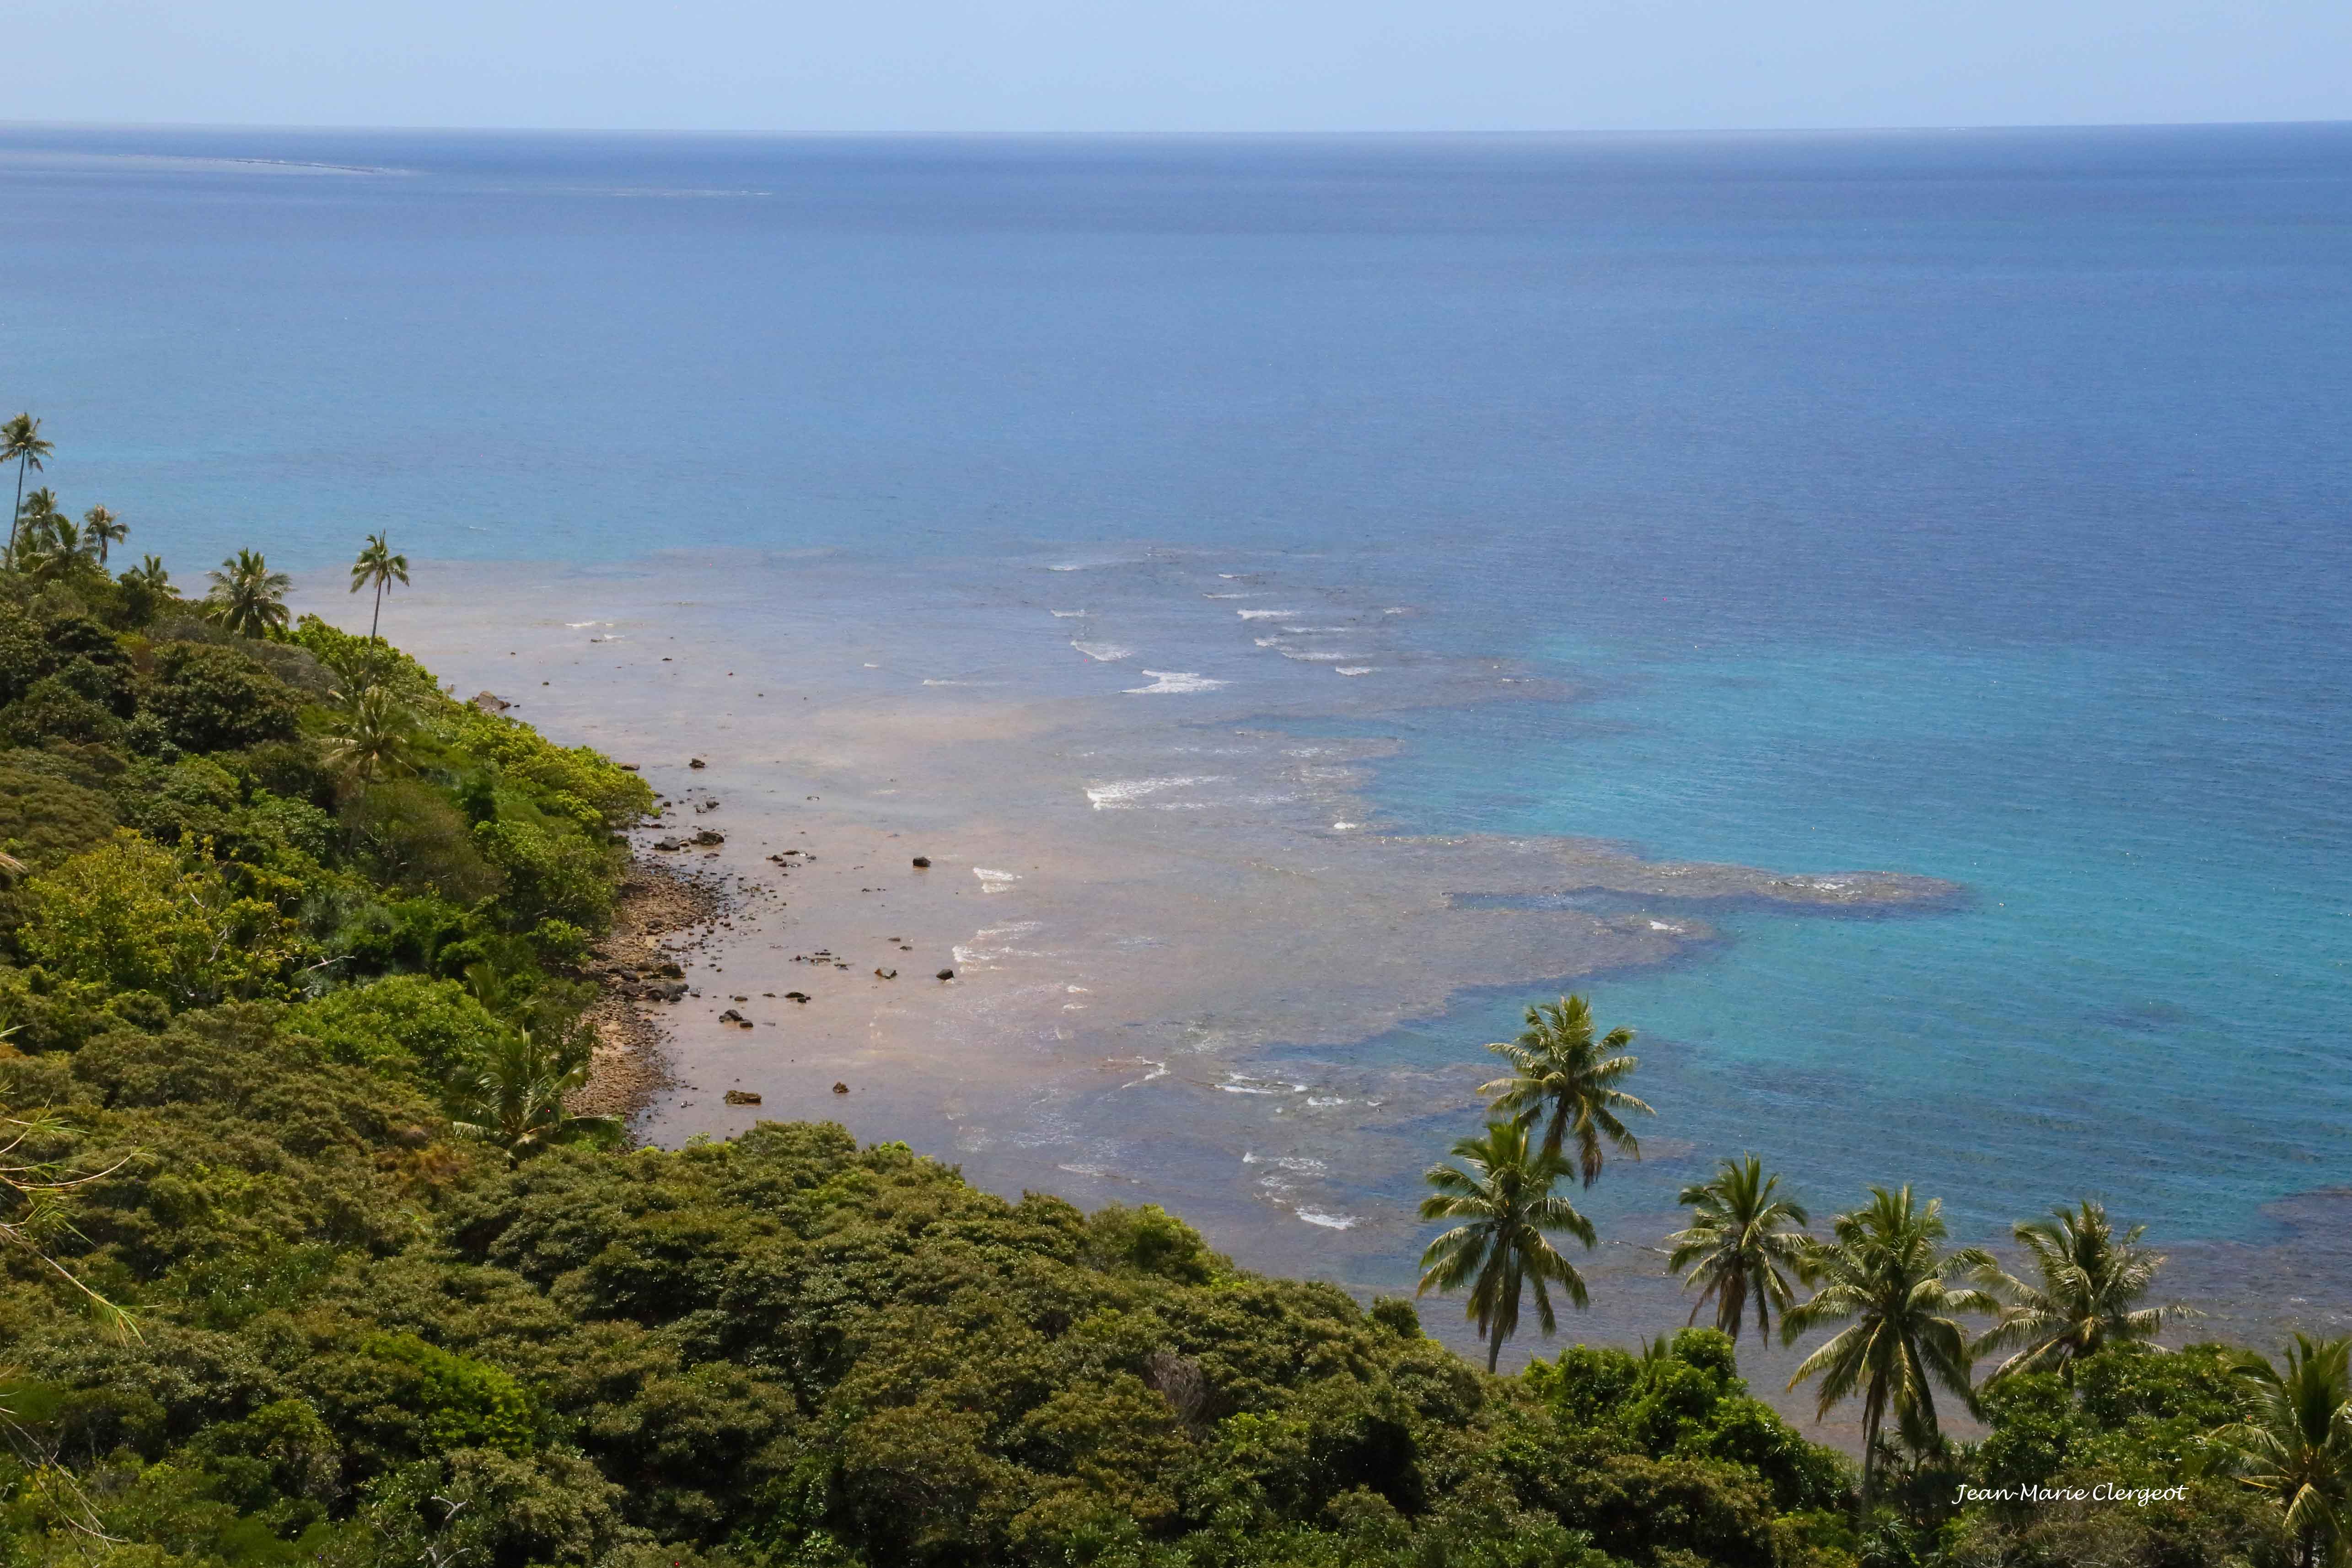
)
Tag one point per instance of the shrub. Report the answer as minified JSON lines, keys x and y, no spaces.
{"x":133,"y":916}
{"x":430,"y":1032}
{"x":213,"y":699}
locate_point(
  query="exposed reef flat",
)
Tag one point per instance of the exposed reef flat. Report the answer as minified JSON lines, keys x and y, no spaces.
{"x":1156,"y":919}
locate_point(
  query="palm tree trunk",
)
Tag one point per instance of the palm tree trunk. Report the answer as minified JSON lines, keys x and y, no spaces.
{"x":378,"y":617}
{"x":1494,"y":1350}
{"x":1872,"y":1411}
{"x":14,"y":515}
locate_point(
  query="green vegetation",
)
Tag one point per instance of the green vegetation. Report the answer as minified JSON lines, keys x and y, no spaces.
{"x":1505,"y":1205}
{"x":1743,"y":1245}
{"x":308,"y":1262}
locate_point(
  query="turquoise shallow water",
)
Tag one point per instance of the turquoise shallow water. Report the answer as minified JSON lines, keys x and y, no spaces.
{"x":1971,"y":504}
{"x":2140,"y":999}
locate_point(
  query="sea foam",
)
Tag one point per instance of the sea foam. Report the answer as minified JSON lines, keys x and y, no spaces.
{"x":1164,"y":681}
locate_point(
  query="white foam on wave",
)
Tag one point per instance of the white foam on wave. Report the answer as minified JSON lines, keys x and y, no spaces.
{"x":1356,"y":670}
{"x":993,"y":881}
{"x":1298,"y":1163}
{"x":1229,"y":595}
{"x":1325,"y":1099}
{"x":1104,"y":652}
{"x":1018,"y":928}
{"x":1328,"y":1221}
{"x":1311,"y":631}
{"x":1066,"y":615}
{"x":577,"y":626}
{"x":1122,"y":793}
{"x":1159,"y":1069}
{"x":1306,"y":658}
{"x":1169,"y":682}
{"x":1250,"y":1089}
{"x":1267,"y":615}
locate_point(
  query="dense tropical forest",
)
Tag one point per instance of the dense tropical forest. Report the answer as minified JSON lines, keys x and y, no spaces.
{"x":309,"y":1261}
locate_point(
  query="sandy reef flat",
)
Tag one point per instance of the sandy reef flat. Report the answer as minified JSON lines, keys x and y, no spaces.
{"x":1173,"y":915}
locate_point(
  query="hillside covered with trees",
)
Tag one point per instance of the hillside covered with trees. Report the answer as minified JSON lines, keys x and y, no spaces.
{"x":309,"y":1262}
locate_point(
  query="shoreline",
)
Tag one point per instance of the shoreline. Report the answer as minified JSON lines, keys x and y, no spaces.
{"x":632,"y":1063}
{"x":1176,"y":924}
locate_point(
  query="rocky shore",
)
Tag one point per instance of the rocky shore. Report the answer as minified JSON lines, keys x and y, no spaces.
{"x":660,"y":914}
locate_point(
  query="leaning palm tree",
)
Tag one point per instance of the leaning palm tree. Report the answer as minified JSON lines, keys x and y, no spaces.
{"x":378,"y":565}
{"x":372,"y":734}
{"x":517,"y":1102}
{"x":2091,"y":1284}
{"x":101,"y":532}
{"x":246,"y":596}
{"x":1741,"y":1245}
{"x":20,"y":441}
{"x":1885,"y":1275}
{"x":1507,"y":1205}
{"x":1562,"y":1077}
{"x":2293,"y":1441}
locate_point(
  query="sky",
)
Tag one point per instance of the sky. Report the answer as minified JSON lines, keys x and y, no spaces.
{"x":886,"y":66}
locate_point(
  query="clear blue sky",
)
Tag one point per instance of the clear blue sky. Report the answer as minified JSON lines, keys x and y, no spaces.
{"x":1177,"y":65}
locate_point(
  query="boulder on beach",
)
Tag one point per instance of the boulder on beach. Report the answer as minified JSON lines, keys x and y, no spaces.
{"x":947,"y":974}
{"x":841,"y":1088}
{"x":695,"y":763}
{"x":491,"y":702}
{"x":886,"y":975}
{"x":922,"y":862}
{"x":741,"y":1097}
{"x":708,"y":836}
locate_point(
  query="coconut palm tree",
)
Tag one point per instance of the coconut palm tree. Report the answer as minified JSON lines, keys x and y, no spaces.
{"x":246,"y":596}
{"x":1742,"y":1244}
{"x":371,"y":733}
{"x":20,"y":440}
{"x":378,"y":565}
{"x":1561,"y":1077}
{"x":1885,"y":1275}
{"x":101,"y":531}
{"x":2091,"y":1284}
{"x":2294,"y":1442}
{"x":1506,"y":1203}
{"x":517,"y":1102}
{"x":52,"y":546}
{"x":36,"y":518}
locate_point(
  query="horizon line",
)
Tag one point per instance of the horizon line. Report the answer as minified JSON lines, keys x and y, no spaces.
{"x":1489,"y":133}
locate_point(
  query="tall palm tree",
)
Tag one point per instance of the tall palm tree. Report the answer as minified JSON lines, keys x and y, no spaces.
{"x":371,"y":733}
{"x":1885,"y":1275}
{"x":101,"y":531}
{"x":517,"y":1102}
{"x":1741,"y":1245}
{"x":378,"y":565}
{"x":246,"y":596}
{"x":1562,"y":1077}
{"x":2293,"y":1441}
{"x":1506,"y":1205}
{"x":2090,"y":1283}
{"x":20,"y":439}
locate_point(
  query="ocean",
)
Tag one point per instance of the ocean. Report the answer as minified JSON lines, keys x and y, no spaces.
{"x":1970,"y":505}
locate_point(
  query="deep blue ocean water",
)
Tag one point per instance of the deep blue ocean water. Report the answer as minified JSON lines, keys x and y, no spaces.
{"x":1976,"y":504}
